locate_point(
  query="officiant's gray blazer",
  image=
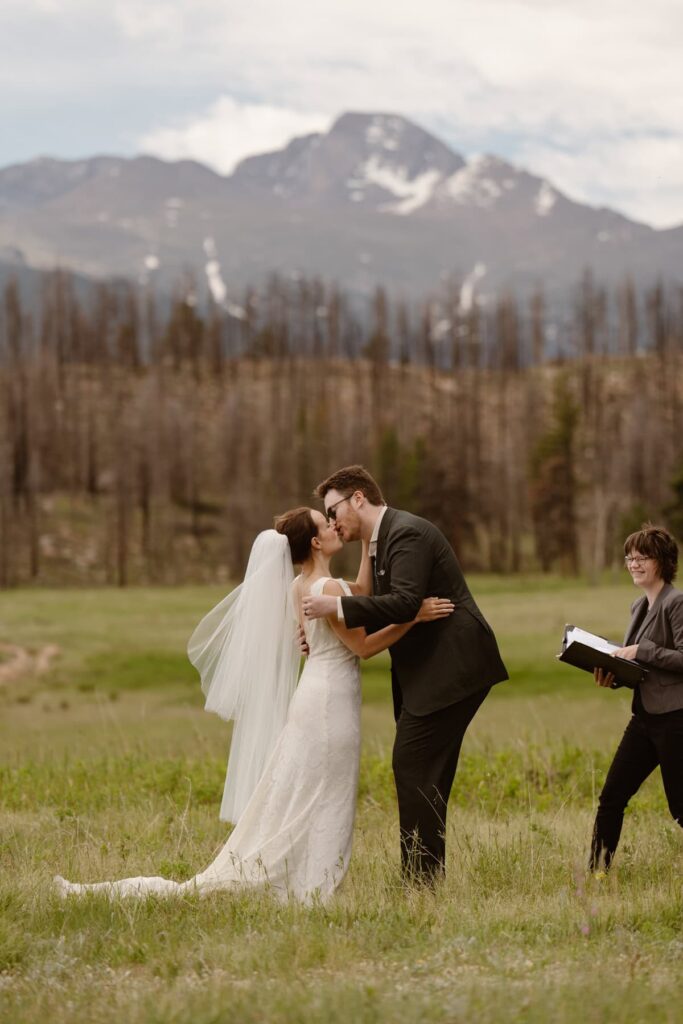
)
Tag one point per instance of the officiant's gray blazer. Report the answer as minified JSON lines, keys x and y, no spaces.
{"x":659,"y":635}
{"x":436,"y":663}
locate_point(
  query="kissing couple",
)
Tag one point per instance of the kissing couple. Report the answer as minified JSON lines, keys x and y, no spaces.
{"x":292,"y":777}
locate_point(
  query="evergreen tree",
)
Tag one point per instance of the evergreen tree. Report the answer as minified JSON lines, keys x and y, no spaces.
{"x":553,"y":486}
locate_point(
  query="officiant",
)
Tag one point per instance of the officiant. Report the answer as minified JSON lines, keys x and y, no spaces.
{"x":654,"y":734}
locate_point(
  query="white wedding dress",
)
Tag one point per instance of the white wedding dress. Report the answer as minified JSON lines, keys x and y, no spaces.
{"x":294,"y":836}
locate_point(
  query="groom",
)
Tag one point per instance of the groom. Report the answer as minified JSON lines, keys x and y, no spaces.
{"x":440,"y":671}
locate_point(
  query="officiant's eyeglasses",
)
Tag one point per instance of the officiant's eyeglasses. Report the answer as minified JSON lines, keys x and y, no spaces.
{"x":331,"y":513}
{"x":636,"y":561}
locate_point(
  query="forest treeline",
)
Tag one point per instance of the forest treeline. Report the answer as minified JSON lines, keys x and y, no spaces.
{"x":149,"y":443}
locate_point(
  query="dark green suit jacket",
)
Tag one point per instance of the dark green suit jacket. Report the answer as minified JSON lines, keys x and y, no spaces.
{"x":436,"y":663}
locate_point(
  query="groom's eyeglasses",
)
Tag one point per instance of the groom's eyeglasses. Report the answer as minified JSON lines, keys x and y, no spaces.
{"x":331,"y":513}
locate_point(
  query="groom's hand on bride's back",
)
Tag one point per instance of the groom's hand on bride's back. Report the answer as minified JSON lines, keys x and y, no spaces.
{"x":319,"y":606}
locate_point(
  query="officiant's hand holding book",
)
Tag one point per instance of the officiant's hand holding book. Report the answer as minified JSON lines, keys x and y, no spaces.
{"x":593,"y":653}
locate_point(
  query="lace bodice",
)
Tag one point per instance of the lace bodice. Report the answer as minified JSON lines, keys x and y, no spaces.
{"x":323,"y":642}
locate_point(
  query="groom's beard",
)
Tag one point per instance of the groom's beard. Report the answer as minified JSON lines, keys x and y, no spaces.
{"x":347,"y":536}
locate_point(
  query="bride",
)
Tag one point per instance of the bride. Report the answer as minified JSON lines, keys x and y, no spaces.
{"x":293,"y":769}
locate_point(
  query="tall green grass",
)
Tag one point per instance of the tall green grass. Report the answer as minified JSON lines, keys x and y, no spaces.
{"x":109,"y":767}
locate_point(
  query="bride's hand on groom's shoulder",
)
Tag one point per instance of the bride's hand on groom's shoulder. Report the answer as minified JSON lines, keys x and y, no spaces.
{"x":434,"y":608}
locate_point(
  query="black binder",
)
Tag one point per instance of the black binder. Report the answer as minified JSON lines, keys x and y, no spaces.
{"x":583,"y":656}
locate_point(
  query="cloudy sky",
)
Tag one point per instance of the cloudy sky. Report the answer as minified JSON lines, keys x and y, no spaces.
{"x":589,"y":95}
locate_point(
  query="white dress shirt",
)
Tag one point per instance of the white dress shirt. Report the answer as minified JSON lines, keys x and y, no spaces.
{"x":372,"y":551}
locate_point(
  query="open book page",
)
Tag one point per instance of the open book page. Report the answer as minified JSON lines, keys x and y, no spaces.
{"x":598,"y":643}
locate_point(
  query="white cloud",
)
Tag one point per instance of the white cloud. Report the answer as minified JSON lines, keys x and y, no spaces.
{"x":229,"y":131}
{"x":547,"y":78}
{"x":525,"y":78}
{"x":641,"y":176}
{"x":150,"y":22}
{"x":515,"y":59}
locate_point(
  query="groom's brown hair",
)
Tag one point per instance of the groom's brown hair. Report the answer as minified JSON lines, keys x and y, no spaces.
{"x":350,"y":479}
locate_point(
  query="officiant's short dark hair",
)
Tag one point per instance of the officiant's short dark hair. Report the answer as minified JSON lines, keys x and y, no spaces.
{"x":657,"y":543}
{"x":298,"y":526}
{"x":350,"y":479}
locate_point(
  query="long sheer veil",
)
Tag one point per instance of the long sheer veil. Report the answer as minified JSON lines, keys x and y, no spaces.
{"x":246,"y":653}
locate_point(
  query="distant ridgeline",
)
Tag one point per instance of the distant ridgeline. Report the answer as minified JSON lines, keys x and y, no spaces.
{"x":144,"y":442}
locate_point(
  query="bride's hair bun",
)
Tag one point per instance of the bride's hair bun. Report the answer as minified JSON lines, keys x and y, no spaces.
{"x":299,"y":528}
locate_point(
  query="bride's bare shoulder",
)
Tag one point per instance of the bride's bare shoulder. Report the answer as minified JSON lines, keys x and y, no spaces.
{"x":340,"y":588}
{"x":296,"y":590}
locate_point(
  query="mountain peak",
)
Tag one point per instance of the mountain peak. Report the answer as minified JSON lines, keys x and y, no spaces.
{"x":377,"y":161}
{"x":374,"y":198}
{"x":380,"y":130}
{"x":387,"y":164}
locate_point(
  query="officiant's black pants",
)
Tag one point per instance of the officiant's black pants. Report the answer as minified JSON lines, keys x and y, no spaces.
{"x":649,"y":740}
{"x":425,"y":757}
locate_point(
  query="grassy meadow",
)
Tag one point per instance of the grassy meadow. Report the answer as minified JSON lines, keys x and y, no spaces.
{"x":110,"y":767}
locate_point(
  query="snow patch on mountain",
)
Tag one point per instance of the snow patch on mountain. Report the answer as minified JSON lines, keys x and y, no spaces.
{"x":384,"y":132}
{"x":217,"y":285}
{"x":232,"y":309}
{"x":418,"y":191}
{"x":411,"y":192}
{"x":546,"y":197}
{"x":469,"y":285}
{"x":472,"y":184}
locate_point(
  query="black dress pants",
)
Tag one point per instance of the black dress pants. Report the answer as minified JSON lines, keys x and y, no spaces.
{"x":649,"y":740}
{"x":425,"y":757}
